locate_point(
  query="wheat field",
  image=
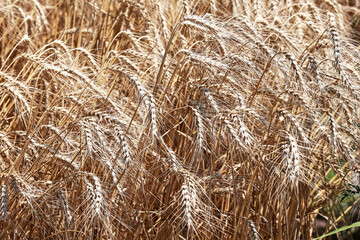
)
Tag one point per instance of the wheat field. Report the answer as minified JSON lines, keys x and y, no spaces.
{"x":178,"y":119}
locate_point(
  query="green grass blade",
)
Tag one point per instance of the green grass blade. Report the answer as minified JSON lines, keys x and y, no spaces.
{"x":357,"y":224}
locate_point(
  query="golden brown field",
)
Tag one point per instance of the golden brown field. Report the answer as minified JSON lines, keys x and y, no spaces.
{"x":178,"y":119}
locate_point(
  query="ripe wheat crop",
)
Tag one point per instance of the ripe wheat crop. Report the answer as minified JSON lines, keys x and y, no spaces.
{"x":179,"y":119}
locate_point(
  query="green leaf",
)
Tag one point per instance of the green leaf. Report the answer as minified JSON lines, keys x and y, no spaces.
{"x":357,"y":224}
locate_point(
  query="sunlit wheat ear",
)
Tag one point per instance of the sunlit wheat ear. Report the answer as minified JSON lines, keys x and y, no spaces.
{"x":144,"y":95}
{"x":333,"y":131}
{"x":17,"y":95}
{"x":24,"y":40}
{"x":314,"y":69}
{"x":172,"y":160}
{"x":129,"y":54}
{"x":301,"y":27}
{"x":254,"y":234}
{"x":127,"y":62}
{"x":242,"y":129}
{"x":164,"y":26}
{"x":291,"y":156}
{"x":7,"y":143}
{"x":191,"y":205}
{"x":185,"y":7}
{"x":4,"y":201}
{"x":64,"y":159}
{"x":188,"y":200}
{"x":226,"y":122}
{"x":262,"y":46}
{"x":60,"y":134}
{"x":347,"y":152}
{"x":65,"y":208}
{"x":284,"y":36}
{"x":257,"y":9}
{"x":150,"y":105}
{"x":201,"y":23}
{"x":207,"y":25}
{"x":96,"y":195}
{"x":242,"y":7}
{"x":89,"y":57}
{"x":24,"y":16}
{"x":204,"y":59}
{"x":211,"y":100}
{"x":60,"y":45}
{"x":297,"y":70}
{"x":213,"y":8}
{"x":234,"y":133}
{"x":88,"y":136}
{"x":125,"y":151}
{"x":250,"y":25}
{"x":41,"y":20}
{"x":123,"y":160}
{"x":295,"y":122}
{"x":299,"y":97}
{"x":75,"y":74}
{"x":25,"y":189}
{"x":200,"y":128}
{"x":314,"y":13}
{"x":334,"y":35}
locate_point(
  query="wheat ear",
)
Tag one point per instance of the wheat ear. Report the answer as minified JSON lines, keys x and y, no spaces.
{"x":4,"y":200}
